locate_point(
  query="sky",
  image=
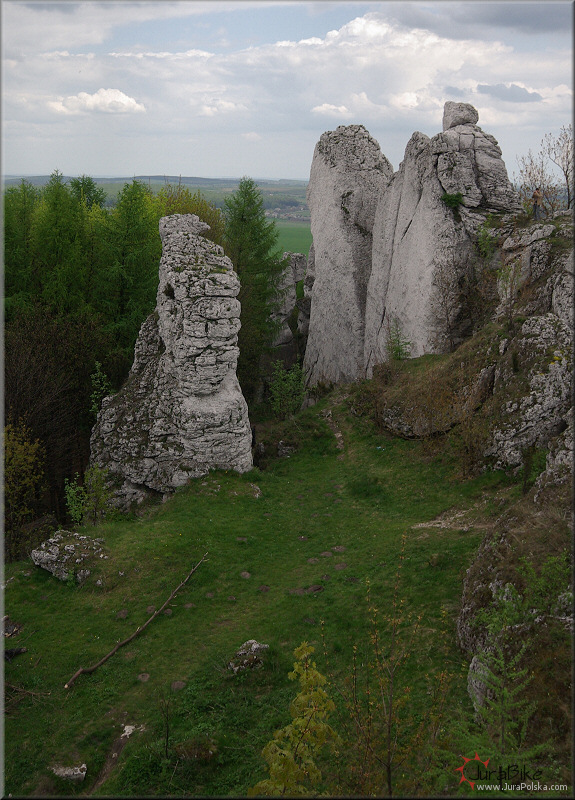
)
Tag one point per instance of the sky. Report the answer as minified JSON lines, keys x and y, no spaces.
{"x":247,"y":87}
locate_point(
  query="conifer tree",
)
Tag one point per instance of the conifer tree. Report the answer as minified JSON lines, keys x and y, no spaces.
{"x":251,"y":243}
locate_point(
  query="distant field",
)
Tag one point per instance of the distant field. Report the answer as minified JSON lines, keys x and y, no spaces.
{"x":295,"y":237}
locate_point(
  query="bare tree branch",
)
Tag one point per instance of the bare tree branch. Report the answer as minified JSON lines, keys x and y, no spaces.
{"x":139,"y":630}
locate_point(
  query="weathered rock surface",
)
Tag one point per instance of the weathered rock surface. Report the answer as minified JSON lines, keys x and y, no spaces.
{"x":381,"y":238}
{"x":69,"y":555}
{"x":348,"y":174}
{"x":290,"y":341}
{"x":74,"y":774}
{"x":249,"y":656}
{"x":417,"y":237}
{"x":181,"y":411}
{"x":544,"y":408}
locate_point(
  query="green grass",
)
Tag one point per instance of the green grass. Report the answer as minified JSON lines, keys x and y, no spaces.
{"x":294,"y":237}
{"x":310,"y":503}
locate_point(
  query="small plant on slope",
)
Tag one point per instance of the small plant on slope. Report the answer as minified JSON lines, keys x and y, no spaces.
{"x":290,"y":754}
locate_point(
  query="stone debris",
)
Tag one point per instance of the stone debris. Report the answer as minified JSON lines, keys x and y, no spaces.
{"x":10,"y":628}
{"x":249,"y":656}
{"x":64,"y":552}
{"x":74,"y":774}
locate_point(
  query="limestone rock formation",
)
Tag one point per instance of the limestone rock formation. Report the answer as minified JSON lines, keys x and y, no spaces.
{"x":424,"y":231}
{"x":521,"y":383}
{"x":68,"y":555}
{"x":288,"y":345}
{"x":382,"y":241}
{"x":348,"y":174}
{"x":181,"y":411}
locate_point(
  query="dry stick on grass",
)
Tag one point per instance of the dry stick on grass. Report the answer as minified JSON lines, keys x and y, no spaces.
{"x":86,"y":670}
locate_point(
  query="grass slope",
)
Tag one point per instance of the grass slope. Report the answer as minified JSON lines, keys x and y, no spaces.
{"x":278,"y":525}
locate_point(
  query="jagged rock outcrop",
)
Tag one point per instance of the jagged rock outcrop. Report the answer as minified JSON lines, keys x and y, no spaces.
{"x":383,"y":241}
{"x":348,"y":174}
{"x":181,"y":411}
{"x":518,"y":381}
{"x":424,"y":231}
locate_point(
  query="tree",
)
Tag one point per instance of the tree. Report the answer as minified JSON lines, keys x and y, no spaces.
{"x":133,"y":254}
{"x":536,"y":171}
{"x":85,"y":190}
{"x":19,"y":204}
{"x":251,"y":242}
{"x":178,"y":199}
{"x":291,"y":754}
{"x":287,"y":389}
{"x":559,"y":150}
{"x":23,"y":481}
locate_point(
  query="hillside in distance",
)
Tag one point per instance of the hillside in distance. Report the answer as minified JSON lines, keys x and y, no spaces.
{"x":284,"y":195}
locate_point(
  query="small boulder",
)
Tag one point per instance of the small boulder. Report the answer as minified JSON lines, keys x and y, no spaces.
{"x":248,"y":656}
{"x":67,"y":555}
{"x":459,"y":114}
{"x":74,"y":774}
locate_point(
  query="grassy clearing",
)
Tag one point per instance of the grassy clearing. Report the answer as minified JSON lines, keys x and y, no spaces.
{"x":294,"y":237}
{"x":277,"y":524}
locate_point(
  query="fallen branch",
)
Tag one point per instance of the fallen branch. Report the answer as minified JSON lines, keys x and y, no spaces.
{"x":87,"y":670}
{"x":25,"y":691}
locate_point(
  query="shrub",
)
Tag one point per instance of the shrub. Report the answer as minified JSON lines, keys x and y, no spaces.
{"x":453,"y":201}
{"x":290,"y":754}
{"x":90,"y":499}
{"x":101,"y":387}
{"x":286,"y":389}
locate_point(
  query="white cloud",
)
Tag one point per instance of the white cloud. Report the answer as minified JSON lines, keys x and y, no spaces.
{"x":109,"y":101}
{"x":216,"y":105}
{"x":372,"y":70}
{"x":332,"y":111}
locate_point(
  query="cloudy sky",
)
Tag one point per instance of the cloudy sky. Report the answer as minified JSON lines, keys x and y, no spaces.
{"x":225,"y":89}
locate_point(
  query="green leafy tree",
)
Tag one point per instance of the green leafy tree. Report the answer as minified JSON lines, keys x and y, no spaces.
{"x":133,"y":254}
{"x":291,"y":755}
{"x":19,"y":205}
{"x":88,"y":500}
{"x":506,"y":709}
{"x":58,"y":252}
{"x":101,"y":387}
{"x":251,"y":243}
{"x":397,"y":345}
{"x":23,"y":482}
{"x":85,"y":190}
{"x":178,"y":199}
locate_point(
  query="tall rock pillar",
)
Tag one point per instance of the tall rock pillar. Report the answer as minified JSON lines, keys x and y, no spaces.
{"x":348,"y":174}
{"x":181,"y":411}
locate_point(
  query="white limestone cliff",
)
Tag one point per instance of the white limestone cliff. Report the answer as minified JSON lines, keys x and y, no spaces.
{"x":348,"y":174}
{"x":380,"y":238}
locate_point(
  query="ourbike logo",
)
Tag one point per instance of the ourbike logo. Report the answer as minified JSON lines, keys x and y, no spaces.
{"x":462,"y":767}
